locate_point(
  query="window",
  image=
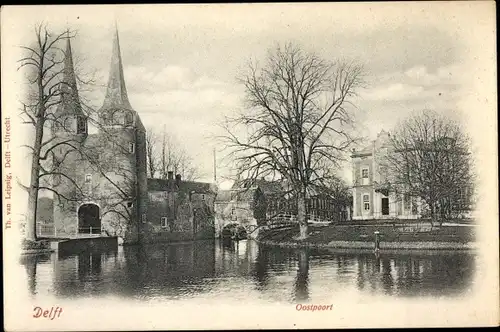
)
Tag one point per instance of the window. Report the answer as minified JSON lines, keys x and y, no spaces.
{"x":203,"y":197}
{"x":128,"y":120}
{"x":56,"y":179}
{"x":164,"y":223}
{"x":407,"y":201}
{"x":364,"y":173}
{"x":81,"y":125}
{"x":68,"y":123}
{"x":366,"y":202}
{"x":131,"y":147}
{"x":106,"y":119}
{"x":88,"y":178}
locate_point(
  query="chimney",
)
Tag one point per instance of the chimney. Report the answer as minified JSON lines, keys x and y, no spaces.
{"x":170,"y":175}
{"x":178,"y":180}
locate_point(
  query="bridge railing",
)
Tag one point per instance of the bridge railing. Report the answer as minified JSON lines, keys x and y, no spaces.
{"x":89,"y":231}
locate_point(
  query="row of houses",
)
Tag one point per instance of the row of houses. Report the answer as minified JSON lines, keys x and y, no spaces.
{"x":256,"y":202}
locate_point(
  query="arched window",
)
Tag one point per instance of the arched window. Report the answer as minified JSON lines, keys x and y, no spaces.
{"x":128,"y":119}
{"x":106,"y":118}
{"x":81,"y":125}
{"x":68,"y":124}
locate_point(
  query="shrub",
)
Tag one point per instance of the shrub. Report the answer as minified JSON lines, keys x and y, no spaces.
{"x":35,"y":245}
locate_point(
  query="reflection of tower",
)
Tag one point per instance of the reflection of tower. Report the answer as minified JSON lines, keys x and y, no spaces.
{"x":302,"y":280}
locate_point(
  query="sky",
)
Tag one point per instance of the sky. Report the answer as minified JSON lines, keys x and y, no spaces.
{"x":181,"y":61}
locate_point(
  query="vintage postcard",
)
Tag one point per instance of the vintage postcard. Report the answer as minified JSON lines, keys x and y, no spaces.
{"x":249,"y":166}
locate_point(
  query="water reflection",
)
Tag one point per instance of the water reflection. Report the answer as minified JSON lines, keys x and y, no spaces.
{"x":246,"y":270}
{"x":301,"y":281}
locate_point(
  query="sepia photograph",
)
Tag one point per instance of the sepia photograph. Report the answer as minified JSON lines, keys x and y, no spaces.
{"x":249,"y":166}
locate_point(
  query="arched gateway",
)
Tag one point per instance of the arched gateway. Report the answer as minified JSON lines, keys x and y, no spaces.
{"x":89,"y":220}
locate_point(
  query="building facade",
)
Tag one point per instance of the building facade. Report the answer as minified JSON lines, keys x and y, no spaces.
{"x":371,"y":198}
{"x":257,"y":202}
{"x":244,"y":206}
{"x":99,"y":178}
{"x":179,"y":210}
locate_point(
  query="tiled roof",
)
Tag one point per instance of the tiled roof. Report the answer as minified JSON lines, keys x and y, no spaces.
{"x":70,"y":101}
{"x":116,"y":93}
{"x":267,"y":187}
{"x":198,"y":187}
{"x":185,"y":186}
{"x":223,"y":196}
{"x":157,"y":185}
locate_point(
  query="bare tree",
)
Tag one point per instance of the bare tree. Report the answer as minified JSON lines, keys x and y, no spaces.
{"x":297,"y":123}
{"x":43,"y":62}
{"x":166,"y":154}
{"x":152,"y":155}
{"x":430,"y":159}
{"x":339,"y":191}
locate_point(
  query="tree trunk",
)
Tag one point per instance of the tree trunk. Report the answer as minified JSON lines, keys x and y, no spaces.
{"x":301,"y":215}
{"x":34,"y":183}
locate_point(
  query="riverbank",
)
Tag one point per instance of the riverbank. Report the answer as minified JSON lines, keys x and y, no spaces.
{"x":36,"y":247}
{"x":363,"y":237}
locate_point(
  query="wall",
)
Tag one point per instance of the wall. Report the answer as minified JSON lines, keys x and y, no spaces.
{"x":378,"y":176}
{"x":142,"y":182}
{"x":187,"y":219}
{"x":113,"y":178}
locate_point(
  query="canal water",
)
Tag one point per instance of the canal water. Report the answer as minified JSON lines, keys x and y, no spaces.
{"x":247,"y":271}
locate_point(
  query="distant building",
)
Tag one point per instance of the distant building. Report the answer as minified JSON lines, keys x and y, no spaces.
{"x":252,"y":203}
{"x":245,"y":205}
{"x":179,"y":210}
{"x":371,"y":198}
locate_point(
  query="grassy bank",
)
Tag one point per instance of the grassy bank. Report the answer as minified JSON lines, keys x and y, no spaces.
{"x":357,"y":236}
{"x":34,"y":247}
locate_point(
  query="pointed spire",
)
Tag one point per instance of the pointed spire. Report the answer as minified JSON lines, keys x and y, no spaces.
{"x":116,"y":94}
{"x":70,"y":101}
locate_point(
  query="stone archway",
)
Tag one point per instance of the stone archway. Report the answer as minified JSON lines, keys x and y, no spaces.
{"x":89,"y":219}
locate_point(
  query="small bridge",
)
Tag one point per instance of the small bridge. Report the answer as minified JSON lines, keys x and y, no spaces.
{"x":278,"y":221}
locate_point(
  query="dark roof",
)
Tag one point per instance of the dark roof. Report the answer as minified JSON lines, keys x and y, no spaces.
{"x":116,"y":93}
{"x":267,"y":187}
{"x":157,"y":185}
{"x":185,"y":186}
{"x":197,"y":187}
{"x":223,"y":196}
